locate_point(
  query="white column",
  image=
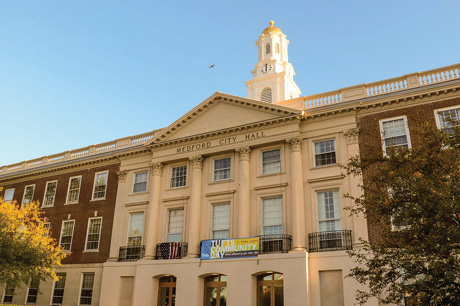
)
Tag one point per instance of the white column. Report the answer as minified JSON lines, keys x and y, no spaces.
{"x":117,"y":235}
{"x":151,"y":228}
{"x":297,"y":196}
{"x":194,"y":209}
{"x":244,"y":195}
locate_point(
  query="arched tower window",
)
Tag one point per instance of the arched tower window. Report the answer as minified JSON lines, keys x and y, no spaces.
{"x":267,"y":49}
{"x":266,"y":95}
{"x":277,"y":48}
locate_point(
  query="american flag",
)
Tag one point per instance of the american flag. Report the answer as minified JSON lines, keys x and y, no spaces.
{"x":170,"y":250}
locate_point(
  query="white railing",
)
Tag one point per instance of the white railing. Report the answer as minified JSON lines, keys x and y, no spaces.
{"x":413,"y":80}
{"x":114,"y":145}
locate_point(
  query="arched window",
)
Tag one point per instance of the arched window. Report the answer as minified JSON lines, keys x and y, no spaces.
{"x":215,"y":290}
{"x":270,"y":289}
{"x":267,"y":49}
{"x":266,"y":95}
{"x":277,"y":48}
{"x":167,"y":291}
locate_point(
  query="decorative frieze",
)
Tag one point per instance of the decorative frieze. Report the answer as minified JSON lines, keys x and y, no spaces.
{"x":156,"y":168}
{"x":122,"y":175}
{"x":295,"y":144}
{"x":351,"y":135}
{"x":197,"y":161}
{"x":244,"y":153}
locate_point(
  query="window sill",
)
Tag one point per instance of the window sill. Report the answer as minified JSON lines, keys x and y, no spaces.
{"x":70,"y":203}
{"x":324,"y":166}
{"x":221,"y":181}
{"x":176,"y":188}
{"x":271,"y":174}
{"x":137,"y":193}
{"x":99,"y":199}
{"x":91,"y":251}
{"x":49,"y":206}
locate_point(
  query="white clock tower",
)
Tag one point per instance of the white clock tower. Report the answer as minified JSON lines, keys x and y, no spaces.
{"x":273,"y":77}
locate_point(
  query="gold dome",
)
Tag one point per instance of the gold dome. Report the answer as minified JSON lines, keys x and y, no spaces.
{"x":272,"y":29}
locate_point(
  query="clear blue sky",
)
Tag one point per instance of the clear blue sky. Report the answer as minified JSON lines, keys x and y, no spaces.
{"x":75,"y":73}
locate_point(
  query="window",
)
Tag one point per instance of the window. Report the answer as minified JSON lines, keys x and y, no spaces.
{"x":50,"y":194}
{"x":329,"y":211}
{"x":215,"y":290}
{"x":272,"y":216}
{"x":67,"y":235}
{"x":179,"y":176}
{"x":277,"y":48}
{"x":222,"y":169}
{"x":271,"y":161}
{"x":94,"y":234}
{"x":8,"y":296}
{"x":140,"y":182}
{"x":266,"y":95}
{"x":267,"y":49}
{"x":87,"y":283}
{"x":136,"y":229}
{"x":74,"y":189}
{"x":395,"y":133}
{"x":325,"y":153}
{"x":175,"y":225}
{"x":167,"y":291}
{"x":46,"y":226}
{"x":28,"y":194}
{"x":58,"y":291}
{"x":270,"y":289}
{"x":444,"y":115}
{"x":100,"y":185}
{"x":221,"y":221}
{"x":8,"y":197}
{"x":32,"y":292}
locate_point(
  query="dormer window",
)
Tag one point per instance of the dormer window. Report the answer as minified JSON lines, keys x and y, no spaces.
{"x":267,"y":49}
{"x":277,"y":48}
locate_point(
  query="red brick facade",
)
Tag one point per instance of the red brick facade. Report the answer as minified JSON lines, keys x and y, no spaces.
{"x":80,"y":212}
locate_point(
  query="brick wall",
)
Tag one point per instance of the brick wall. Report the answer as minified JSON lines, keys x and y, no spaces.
{"x":80,"y":212}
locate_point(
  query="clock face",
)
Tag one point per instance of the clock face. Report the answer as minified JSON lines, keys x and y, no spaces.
{"x":266,"y":68}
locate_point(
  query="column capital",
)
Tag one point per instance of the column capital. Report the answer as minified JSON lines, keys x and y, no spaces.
{"x":156,"y":168}
{"x":197,"y":161}
{"x":122,"y":175}
{"x":244,"y":152}
{"x":295,"y":144}
{"x":351,"y":135}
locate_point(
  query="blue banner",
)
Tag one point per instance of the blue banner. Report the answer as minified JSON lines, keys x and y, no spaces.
{"x":230,"y":248}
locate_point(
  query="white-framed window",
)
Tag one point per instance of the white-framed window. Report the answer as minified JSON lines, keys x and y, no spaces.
{"x":28,"y":194}
{"x":32,"y":291}
{"x":73,"y":193}
{"x":329,"y":211}
{"x":325,"y":153}
{"x":87,"y":284}
{"x":222,"y":168}
{"x":271,"y":161}
{"x":221,"y":221}
{"x":136,"y":228}
{"x":267,"y":49}
{"x":100,"y":185}
{"x":58,"y":290}
{"x":46,"y":226}
{"x":277,"y":48}
{"x":443,"y":116}
{"x":179,"y":176}
{"x":140,"y":182}
{"x":8,"y":295}
{"x":93,"y":235}
{"x":175,"y":225}
{"x":8,"y":196}
{"x":67,"y":235}
{"x":395,"y":133}
{"x":272,"y":216}
{"x":50,"y":194}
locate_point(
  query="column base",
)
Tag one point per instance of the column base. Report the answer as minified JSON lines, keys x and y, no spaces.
{"x":298,"y":250}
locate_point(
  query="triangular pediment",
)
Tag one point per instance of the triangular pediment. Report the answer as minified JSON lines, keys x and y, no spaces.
{"x":220,"y":112}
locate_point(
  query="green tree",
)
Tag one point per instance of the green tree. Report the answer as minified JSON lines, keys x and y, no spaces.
{"x":26,"y":249}
{"x":412,"y":198}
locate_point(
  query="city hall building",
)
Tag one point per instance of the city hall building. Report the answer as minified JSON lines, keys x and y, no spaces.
{"x":238,"y":202}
